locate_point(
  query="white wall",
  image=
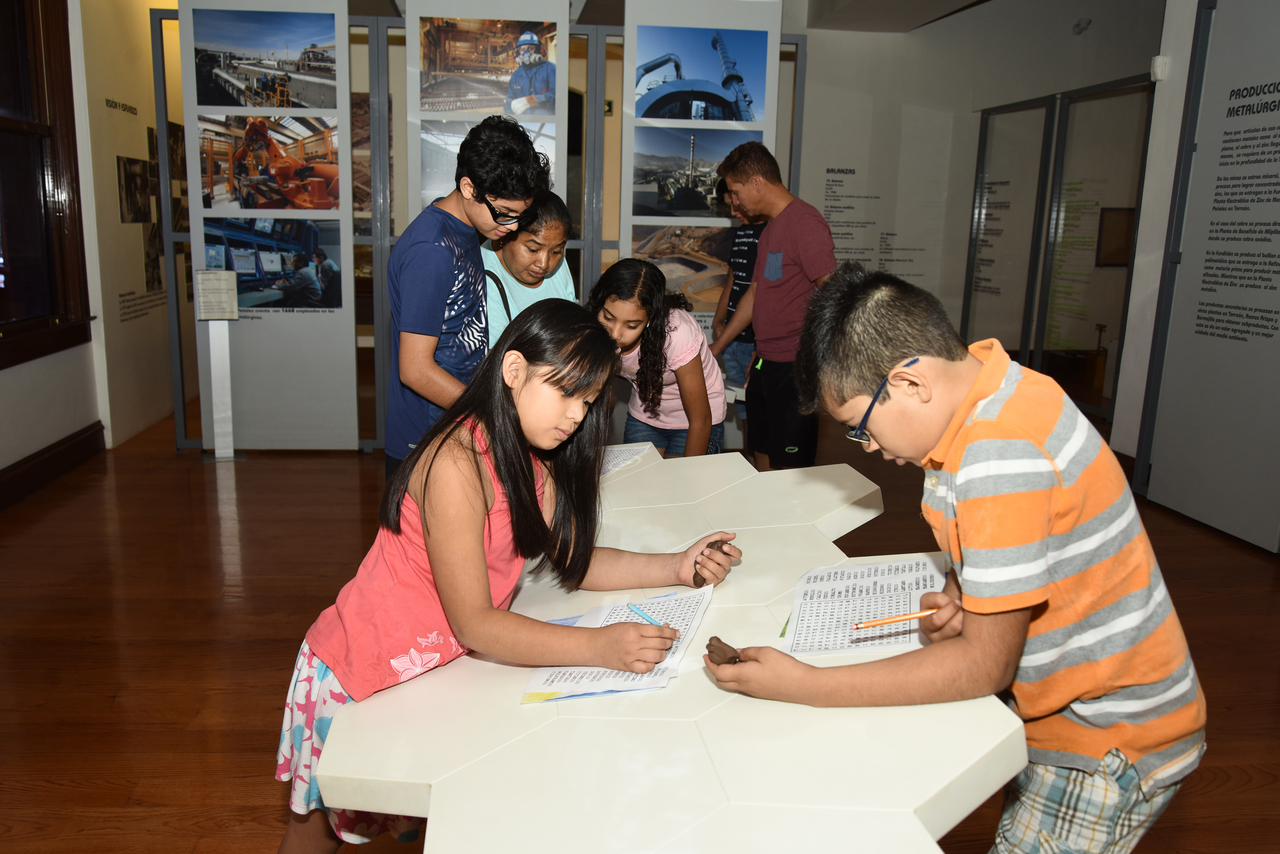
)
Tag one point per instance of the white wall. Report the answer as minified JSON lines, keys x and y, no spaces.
{"x":45,"y":400}
{"x":866,"y":95}
{"x":111,"y":60}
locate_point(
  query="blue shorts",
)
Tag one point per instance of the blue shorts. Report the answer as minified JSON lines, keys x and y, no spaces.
{"x":737,"y":359}
{"x":670,"y":442}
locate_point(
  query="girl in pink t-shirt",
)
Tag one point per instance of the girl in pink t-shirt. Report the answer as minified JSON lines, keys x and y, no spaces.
{"x":511,"y":471}
{"x":678,"y":403}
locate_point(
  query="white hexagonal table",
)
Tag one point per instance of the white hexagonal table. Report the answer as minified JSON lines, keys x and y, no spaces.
{"x":689,"y":768}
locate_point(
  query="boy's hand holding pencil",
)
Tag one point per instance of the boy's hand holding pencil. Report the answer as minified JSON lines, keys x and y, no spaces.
{"x":946,"y":621}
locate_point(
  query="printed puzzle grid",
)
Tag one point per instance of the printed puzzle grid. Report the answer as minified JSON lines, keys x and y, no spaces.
{"x":678,"y":611}
{"x":830,"y":600}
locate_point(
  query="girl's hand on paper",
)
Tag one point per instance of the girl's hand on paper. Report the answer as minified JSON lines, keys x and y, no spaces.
{"x":710,"y":563}
{"x":634,"y":647}
{"x":765,"y":672}
{"x":947,"y":622}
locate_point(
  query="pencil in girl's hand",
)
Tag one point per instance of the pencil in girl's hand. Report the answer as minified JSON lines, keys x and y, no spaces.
{"x":884,"y":621}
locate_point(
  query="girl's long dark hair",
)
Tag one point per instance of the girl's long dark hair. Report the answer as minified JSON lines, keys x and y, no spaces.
{"x":633,"y":279}
{"x":564,"y":337}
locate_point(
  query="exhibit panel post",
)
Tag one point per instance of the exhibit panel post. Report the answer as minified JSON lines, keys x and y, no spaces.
{"x":267,"y":122}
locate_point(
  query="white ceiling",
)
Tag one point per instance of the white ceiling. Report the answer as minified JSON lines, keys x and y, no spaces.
{"x":881,"y":16}
{"x":875,"y":16}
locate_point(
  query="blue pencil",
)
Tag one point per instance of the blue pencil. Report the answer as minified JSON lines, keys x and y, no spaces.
{"x":650,"y":620}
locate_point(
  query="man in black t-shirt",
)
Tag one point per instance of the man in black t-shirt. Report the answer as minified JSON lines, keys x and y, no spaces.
{"x":734,"y":338}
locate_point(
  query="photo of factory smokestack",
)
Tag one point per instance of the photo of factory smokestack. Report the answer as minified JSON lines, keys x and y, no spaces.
{"x":480,"y":65}
{"x":264,"y":59}
{"x":675,"y":169}
{"x":701,"y":74}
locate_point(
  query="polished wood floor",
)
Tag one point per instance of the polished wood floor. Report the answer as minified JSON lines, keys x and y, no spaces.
{"x":153,"y":604}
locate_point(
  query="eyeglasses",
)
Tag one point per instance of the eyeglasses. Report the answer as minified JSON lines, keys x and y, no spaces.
{"x":859,"y":433}
{"x":498,"y":219}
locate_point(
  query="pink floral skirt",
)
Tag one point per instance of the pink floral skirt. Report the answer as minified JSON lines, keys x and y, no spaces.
{"x":314,"y":696}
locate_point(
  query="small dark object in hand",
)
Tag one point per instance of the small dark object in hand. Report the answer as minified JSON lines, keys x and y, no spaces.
{"x":721,"y":653}
{"x":714,"y":545}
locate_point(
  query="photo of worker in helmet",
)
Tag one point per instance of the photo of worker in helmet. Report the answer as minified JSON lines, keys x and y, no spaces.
{"x":532,"y":88}
{"x":487,"y":65}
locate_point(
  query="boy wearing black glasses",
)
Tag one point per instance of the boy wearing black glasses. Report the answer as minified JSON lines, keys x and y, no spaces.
{"x":436,"y":283}
{"x":1055,"y":599}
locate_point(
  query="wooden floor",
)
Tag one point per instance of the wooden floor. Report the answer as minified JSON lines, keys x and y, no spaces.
{"x":153,"y":604}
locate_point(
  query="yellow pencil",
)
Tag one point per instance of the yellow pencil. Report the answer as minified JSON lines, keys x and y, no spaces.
{"x":884,"y":621}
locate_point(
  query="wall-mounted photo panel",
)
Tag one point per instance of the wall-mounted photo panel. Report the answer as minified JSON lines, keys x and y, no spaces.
{"x":266,"y":95}
{"x":701,"y":89}
{"x":134,"y":178}
{"x":267,"y":60}
{"x":152,"y":252}
{"x":479,"y":65}
{"x":271,"y":162}
{"x":694,"y":259}
{"x":473,"y":58}
{"x":674,"y":171}
{"x":279,"y":263}
{"x":701,"y":74}
{"x":440,"y":143}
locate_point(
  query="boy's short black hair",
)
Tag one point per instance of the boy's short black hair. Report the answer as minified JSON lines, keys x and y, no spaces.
{"x":499,"y":159}
{"x":321,"y":254}
{"x":859,"y":325}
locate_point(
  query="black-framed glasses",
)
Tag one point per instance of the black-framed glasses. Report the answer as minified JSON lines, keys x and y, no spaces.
{"x":499,"y":219}
{"x":859,"y":433}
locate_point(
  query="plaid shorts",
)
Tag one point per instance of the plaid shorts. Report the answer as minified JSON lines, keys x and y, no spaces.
{"x":1050,"y":810}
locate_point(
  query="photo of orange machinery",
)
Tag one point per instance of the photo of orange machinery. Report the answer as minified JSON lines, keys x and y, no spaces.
{"x":279,"y":163}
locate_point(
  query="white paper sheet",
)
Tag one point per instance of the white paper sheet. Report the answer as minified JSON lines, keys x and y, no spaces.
{"x":829,"y":600}
{"x":616,"y":458}
{"x":683,"y":612}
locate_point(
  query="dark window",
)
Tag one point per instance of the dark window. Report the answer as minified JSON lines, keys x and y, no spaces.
{"x":43,"y":297}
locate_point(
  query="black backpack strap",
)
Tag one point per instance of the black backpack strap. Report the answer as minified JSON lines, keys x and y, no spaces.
{"x":502,"y":292}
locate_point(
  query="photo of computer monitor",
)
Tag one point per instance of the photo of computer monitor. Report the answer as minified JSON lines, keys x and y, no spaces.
{"x":215,"y":257}
{"x":245,"y":260}
{"x":270,"y":262}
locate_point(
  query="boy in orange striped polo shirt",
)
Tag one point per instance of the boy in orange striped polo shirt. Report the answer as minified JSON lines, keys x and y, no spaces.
{"x":1055,"y":597}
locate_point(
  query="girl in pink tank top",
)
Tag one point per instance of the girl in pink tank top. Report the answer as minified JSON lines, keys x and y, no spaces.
{"x":512,"y":470}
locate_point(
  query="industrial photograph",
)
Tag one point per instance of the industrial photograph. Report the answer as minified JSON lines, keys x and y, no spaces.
{"x":701,"y":74}
{"x":674,"y":169}
{"x":694,"y":259}
{"x":440,"y":143}
{"x":279,"y":162}
{"x":134,"y":179}
{"x":279,"y":263}
{"x":480,"y":65}
{"x":265,"y":59}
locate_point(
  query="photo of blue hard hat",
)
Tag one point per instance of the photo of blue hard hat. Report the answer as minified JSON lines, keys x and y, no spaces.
{"x":528,"y":38}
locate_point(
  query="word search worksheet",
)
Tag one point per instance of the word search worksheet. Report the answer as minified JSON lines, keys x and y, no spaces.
{"x":829,"y":600}
{"x":682,"y":612}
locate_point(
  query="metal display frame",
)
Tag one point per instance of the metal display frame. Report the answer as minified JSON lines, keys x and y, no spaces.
{"x":1172,"y":244}
{"x":1049,"y":105}
{"x":381,"y":240}
{"x":1051,"y":244}
{"x":1044,"y":243}
{"x":181,"y":440}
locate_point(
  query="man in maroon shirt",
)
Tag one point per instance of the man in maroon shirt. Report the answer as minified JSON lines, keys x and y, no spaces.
{"x":795,"y":256}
